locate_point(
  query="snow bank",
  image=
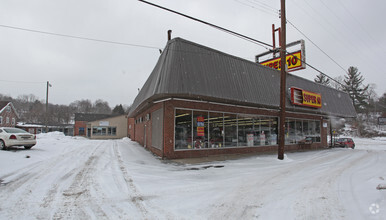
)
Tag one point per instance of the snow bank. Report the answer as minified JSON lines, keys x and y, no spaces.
{"x":54,"y":134}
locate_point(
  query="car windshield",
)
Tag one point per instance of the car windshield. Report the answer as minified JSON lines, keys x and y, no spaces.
{"x":14,"y":130}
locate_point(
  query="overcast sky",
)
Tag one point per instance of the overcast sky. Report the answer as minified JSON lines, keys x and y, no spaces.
{"x":351,"y":32}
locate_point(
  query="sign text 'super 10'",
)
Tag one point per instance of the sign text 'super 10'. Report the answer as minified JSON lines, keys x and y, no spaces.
{"x":294,"y":62}
{"x":305,"y":98}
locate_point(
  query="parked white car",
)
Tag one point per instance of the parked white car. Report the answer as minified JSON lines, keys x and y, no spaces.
{"x":16,"y":137}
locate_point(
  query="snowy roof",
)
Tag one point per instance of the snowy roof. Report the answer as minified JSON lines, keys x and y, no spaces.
{"x":5,"y":104}
{"x":94,"y":117}
{"x":189,"y":70}
{"x":90,"y":116}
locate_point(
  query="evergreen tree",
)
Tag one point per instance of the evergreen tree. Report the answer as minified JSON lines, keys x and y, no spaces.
{"x":381,"y":105}
{"x":118,"y":110}
{"x":322,"y":79}
{"x":354,"y":87}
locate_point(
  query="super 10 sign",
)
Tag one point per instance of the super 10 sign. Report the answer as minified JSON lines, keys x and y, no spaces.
{"x":305,"y":98}
{"x":293,"y":60}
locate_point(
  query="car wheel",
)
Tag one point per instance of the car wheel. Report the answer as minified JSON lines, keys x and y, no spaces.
{"x":27,"y":147}
{"x":353,"y":146}
{"x":2,"y":145}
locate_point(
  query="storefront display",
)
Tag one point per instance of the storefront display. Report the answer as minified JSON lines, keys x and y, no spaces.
{"x":222,"y":130}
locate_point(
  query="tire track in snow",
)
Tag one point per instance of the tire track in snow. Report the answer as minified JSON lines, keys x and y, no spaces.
{"x":148,"y":210}
{"x":351,"y":196}
{"x":320,"y":191}
{"x":136,"y":198}
{"x":264,"y":192}
{"x":77,"y":197}
{"x":22,"y":187}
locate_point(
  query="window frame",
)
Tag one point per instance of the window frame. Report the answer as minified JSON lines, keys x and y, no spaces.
{"x":207,"y":132}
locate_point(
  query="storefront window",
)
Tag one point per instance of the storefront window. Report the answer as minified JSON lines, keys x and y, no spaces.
{"x":112,"y":131}
{"x":183,"y":130}
{"x":103,"y":131}
{"x":305,"y":128}
{"x":205,"y":129}
{"x":299,"y":129}
{"x":246,"y":131}
{"x":291,"y":132}
{"x":317,"y":131}
{"x":273,"y":132}
{"x":265,"y":131}
{"x":81,"y":131}
{"x":230,"y":127}
{"x":216,"y":130}
{"x":200,"y":129}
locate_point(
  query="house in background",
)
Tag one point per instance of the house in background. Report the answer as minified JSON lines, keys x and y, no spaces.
{"x":100,"y":126}
{"x":8,"y":114}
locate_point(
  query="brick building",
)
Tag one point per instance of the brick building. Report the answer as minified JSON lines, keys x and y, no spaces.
{"x":82,"y":119}
{"x":100,"y":126}
{"x":8,"y":114}
{"x":199,"y":101}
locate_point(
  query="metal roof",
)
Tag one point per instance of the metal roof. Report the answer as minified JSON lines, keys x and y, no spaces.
{"x":189,"y":70}
{"x":91,"y":116}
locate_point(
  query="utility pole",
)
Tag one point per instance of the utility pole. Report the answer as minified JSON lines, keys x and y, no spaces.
{"x":48,"y":85}
{"x":282,"y":82}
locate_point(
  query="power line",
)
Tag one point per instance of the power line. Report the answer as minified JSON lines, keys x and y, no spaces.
{"x":77,"y":37}
{"x":359,"y":23}
{"x":10,"y":81}
{"x":261,"y":8}
{"x":332,"y":34}
{"x":260,"y":43}
{"x":265,"y":6}
{"x":316,"y":46}
{"x":273,"y":9}
{"x":263,"y":44}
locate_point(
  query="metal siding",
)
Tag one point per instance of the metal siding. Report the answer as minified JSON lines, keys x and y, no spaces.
{"x":189,"y":69}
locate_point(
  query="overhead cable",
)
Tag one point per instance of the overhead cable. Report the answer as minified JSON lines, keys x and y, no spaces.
{"x":317,"y":46}
{"x":259,"y":7}
{"x":10,"y":81}
{"x":77,"y":37}
{"x":260,"y":43}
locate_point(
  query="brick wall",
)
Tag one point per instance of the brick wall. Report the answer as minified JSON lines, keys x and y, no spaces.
{"x":142,"y":124}
{"x":130,"y":128}
{"x":10,"y":115}
{"x":79,"y":124}
{"x":168,"y":142}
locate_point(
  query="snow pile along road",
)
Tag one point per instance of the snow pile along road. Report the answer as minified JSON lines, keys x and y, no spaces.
{"x":77,"y":178}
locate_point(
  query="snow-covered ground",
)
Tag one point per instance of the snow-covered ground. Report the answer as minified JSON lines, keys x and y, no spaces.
{"x":76,"y":178}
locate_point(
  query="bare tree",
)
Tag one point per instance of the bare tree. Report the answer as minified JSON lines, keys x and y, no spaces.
{"x":101,"y":107}
{"x":82,"y":106}
{"x":338,"y":83}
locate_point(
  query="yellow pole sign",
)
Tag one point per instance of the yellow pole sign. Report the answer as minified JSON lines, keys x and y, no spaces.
{"x":294,"y":62}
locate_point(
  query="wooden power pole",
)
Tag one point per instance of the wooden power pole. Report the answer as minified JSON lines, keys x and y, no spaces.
{"x":46,"y":121}
{"x":282,"y":82}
